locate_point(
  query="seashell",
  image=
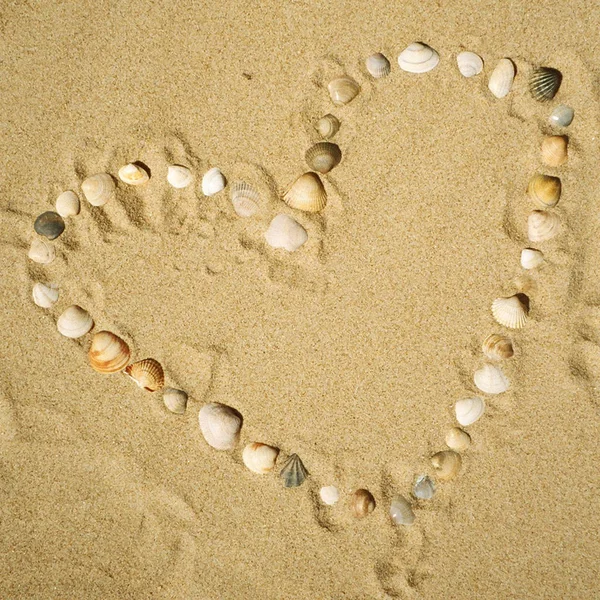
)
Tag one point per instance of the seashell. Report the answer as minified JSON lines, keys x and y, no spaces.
{"x":244,"y":199}
{"x":323,"y":157}
{"x":67,"y":204}
{"x":457,"y":439}
{"x":446,"y":464}
{"x":343,"y":90}
{"x":293,"y":472}
{"x":179,"y":176}
{"x":469,"y":63}
{"x":220,"y":425}
{"x":41,"y":252}
{"x":542,"y":226}
{"x":502,"y":78}
{"x":285,"y":232}
{"x":147,"y":373}
{"x":98,"y":189}
{"x":213,"y":182}
{"x":511,"y":312}
{"x":424,"y":488}
{"x":531,"y":258}
{"x":544,"y":83}
{"x":45,"y":296}
{"x":544,"y":189}
{"x":49,"y":224}
{"x":362,"y":503}
{"x":329,"y":494}
{"x":469,"y":410}
{"x":562,"y":116}
{"x":401,"y":511}
{"x":554,"y":150}
{"x":175,"y":400}
{"x":133,"y":174}
{"x":328,"y":126}
{"x":74,"y":322}
{"x":418,"y":58}
{"x":306,"y":193}
{"x":497,"y":347}
{"x":260,"y":458}
{"x":491,"y":380}
{"x":108,"y":353}
{"x":378,"y":65}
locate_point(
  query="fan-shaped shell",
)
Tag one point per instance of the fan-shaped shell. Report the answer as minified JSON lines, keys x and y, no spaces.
{"x":220,"y":425}
{"x":260,"y":458}
{"x":511,"y":312}
{"x":179,"y":176}
{"x":362,"y":503}
{"x":555,"y":150}
{"x":49,"y":224}
{"x":469,"y":410}
{"x":41,"y":252}
{"x":502,"y":78}
{"x":147,"y":373}
{"x":307,"y":193}
{"x":457,"y":439}
{"x":323,"y":157}
{"x":401,"y":511}
{"x":98,"y":189}
{"x":469,"y":63}
{"x":418,"y":58}
{"x":175,"y":400}
{"x":544,"y":189}
{"x":343,"y":90}
{"x":544,"y":83}
{"x":285,"y":232}
{"x":108,"y":353}
{"x":45,"y":296}
{"x":328,"y":126}
{"x":562,"y":116}
{"x":491,"y":380}
{"x":133,"y":174}
{"x":244,"y":199}
{"x":213,"y":182}
{"x":378,"y":65}
{"x":74,"y":322}
{"x":447,"y":464}
{"x":531,"y":258}
{"x":542,"y":225}
{"x":424,"y":488}
{"x":67,"y":204}
{"x":498,"y":347}
{"x":329,"y":494}
{"x":294,"y":472}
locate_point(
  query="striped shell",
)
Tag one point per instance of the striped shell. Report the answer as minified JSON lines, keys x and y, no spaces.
{"x":343,"y":90}
{"x":544,"y":83}
{"x":74,"y":322}
{"x":98,"y":189}
{"x":555,"y":150}
{"x":362,"y":503}
{"x":328,"y":126}
{"x":418,"y":58}
{"x":542,"y":225}
{"x":544,"y":189}
{"x":401,"y":511}
{"x":491,"y":380}
{"x":469,"y":63}
{"x":108,"y":353}
{"x":447,"y":464}
{"x":378,"y":65}
{"x":244,"y":199}
{"x":511,"y":312}
{"x":147,"y":373}
{"x":323,"y":156}
{"x":294,"y":472}
{"x":307,"y":193}
{"x":497,"y":347}
{"x":502,"y":78}
{"x":469,"y":410}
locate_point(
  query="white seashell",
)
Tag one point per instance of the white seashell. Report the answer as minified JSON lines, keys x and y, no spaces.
{"x":179,"y":176}
{"x":401,"y":511}
{"x":542,"y":226}
{"x":133,"y":174}
{"x":562,"y":116}
{"x":424,"y":488}
{"x":491,"y":380}
{"x":328,"y":126}
{"x":285,"y":232}
{"x":418,"y":58}
{"x":260,"y":458}
{"x":220,"y":425}
{"x":531,"y":258}
{"x":469,"y":63}
{"x":307,"y":193}
{"x":511,"y":312}
{"x":74,"y":322}
{"x":378,"y":65}
{"x":213,"y":182}
{"x":175,"y":400}
{"x":329,"y":494}
{"x":41,"y":252}
{"x":502,"y":78}
{"x":98,"y":189}
{"x":244,"y":199}
{"x":67,"y":204}
{"x":469,"y":410}
{"x":45,"y":295}
{"x":457,"y":439}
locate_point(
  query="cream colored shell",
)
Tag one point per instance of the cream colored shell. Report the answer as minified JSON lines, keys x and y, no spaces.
{"x":307,"y":193}
{"x":328,"y":126}
{"x":469,"y":410}
{"x":260,"y":458}
{"x":491,"y":380}
{"x":531,"y":258}
{"x":555,"y":150}
{"x":447,"y":464}
{"x":175,"y":400}
{"x":542,"y":226}
{"x":133,"y":174}
{"x":323,"y":156}
{"x":220,"y":425}
{"x":502,"y":77}
{"x":378,"y":65}
{"x":74,"y":322}
{"x":45,"y":296}
{"x":343,"y":90}
{"x":457,"y":439}
{"x":511,"y":312}
{"x":285,"y":232}
{"x":67,"y":204}
{"x":213,"y":182}
{"x":329,"y":495}
{"x":41,"y":251}
{"x":469,"y":63}
{"x":179,"y":176}
{"x":98,"y":189}
{"x":418,"y":58}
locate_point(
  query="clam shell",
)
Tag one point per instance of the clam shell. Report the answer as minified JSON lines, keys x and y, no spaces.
{"x":147,"y":373}
{"x":401,"y":511}
{"x":133,"y":174}
{"x":220,"y":425}
{"x":469,"y":63}
{"x":307,"y":193}
{"x":45,"y":296}
{"x":531,"y":258}
{"x":511,"y":312}
{"x":67,"y":204}
{"x":98,"y":189}
{"x":323,"y":157}
{"x":179,"y":176}
{"x":285,"y":232}
{"x":544,"y":83}
{"x":213,"y":182}
{"x":74,"y":322}
{"x":542,"y":226}
{"x":469,"y":410}
{"x":457,"y":439}
{"x":447,"y":464}
{"x":49,"y":224}
{"x":378,"y":65}
{"x":343,"y":90}
{"x":108,"y":353}
{"x":328,"y":126}
{"x":562,"y":116}
{"x":329,"y":494}
{"x":294,"y":472}
{"x":260,"y":458}
{"x":555,"y":150}
{"x":497,"y":347}
{"x":491,"y":380}
{"x":424,"y":488}
{"x":175,"y":400}
{"x":502,"y":78}
{"x":418,"y":58}
{"x":244,"y":199}
{"x":544,"y":189}
{"x":362,"y":503}
{"x":41,"y":252}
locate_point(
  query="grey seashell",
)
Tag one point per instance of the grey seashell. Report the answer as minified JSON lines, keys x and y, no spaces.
{"x":378,"y":65}
{"x":49,"y":224}
{"x":323,"y":157}
{"x":401,"y":511}
{"x":294,"y":472}
{"x":424,"y":488}
{"x":328,"y":126}
{"x":544,"y":83}
{"x":562,"y":116}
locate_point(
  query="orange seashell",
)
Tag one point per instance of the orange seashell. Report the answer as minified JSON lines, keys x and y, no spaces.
{"x":108,"y":353}
{"x":147,"y":373}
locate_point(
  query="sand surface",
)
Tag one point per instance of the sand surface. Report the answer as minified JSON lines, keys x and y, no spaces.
{"x":350,"y":352}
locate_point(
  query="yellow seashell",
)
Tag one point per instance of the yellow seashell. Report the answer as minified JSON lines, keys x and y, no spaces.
{"x":307,"y":193}
{"x":457,"y":439}
{"x":544,"y":189}
{"x":133,"y":174}
{"x":98,"y":189}
{"x":108,"y":353}
{"x":511,"y":312}
{"x":554,"y":150}
{"x":362,"y":503}
{"x":497,"y":347}
{"x":328,"y":126}
{"x":542,"y":226}
{"x":147,"y":373}
{"x":446,"y":464}
{"x":323,"y":157}
{"x":343,"y":90}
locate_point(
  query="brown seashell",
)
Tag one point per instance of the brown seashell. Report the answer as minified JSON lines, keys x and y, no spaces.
{"x":554,"y":150}
{"x":343,"y":90}
{"x":362,"y":503}
{"x":108,"y":353}
{"x":307,"y":193}
{"x":544,"y":189}
{"x":446,"y":464}
{"x":497,"y":347}
{"x":328,"y":126}
{"x":147,"y":373}
{"x":323,"y":157}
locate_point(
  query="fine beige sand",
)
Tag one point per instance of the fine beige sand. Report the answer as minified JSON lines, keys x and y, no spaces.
{"x":350,"y":352}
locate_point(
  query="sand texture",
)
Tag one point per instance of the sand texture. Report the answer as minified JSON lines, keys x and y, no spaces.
{"x":350,"y":352}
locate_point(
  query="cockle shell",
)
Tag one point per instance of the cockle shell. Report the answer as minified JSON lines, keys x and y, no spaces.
{"x":362,"y":503}
{"x":328,"y":126}
{"x":544,"y":189}
{"x":147,"y":373}
{"x":511,"y":312}
{"x":424,"y":488}
{"x":418,"y":58}
{"x":497,"y":347}
{"x":133,"y":174}
{"x":44,"y":295}
{"x":562,"y":116}
{"x":49,"y":224}
{"x":491,"y":380}
{"x":469,"y":63}
{"x":220,"y":425}
{"x":260,"y":458}
{"x":294,"y":472}
{"x":531,"y":258}
{"x":74,"y":322}
{"x":502,"y":78}
{"x":554,"y":150}
{"x":323,"y":157}
{"x":329,"y":494}
{"x":41,"y":252}
{"x":108,"y":353}
{"x":446,"y":464}
{"x":343,"y":90}
{"x":244,"y":199}
{"x":469,"y":410}
{"x":285,"y":232}
{"x":179,"y":176}
{"x":213,"y":182}
{"x":457,"y":439}
{"x":307,"y":193}
{"x":98,"y":189}
{"x":378,"y":65}
{"x":401,"y":511}
{"x":544,"y":83}
{"x":542,"y":226}
{"x":67,"y":204}
{"x":175,"y":400}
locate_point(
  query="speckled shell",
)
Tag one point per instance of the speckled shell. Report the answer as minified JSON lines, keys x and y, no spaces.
{"x":469,"y":410}
{"x":213,"y":182}
{"x":45,"y":296}
{"x":307,"y":193}
{"x":544,"y":83}
{"x":447,"y":464}
{"x":511,"y":312}
{"x":260,"y":458}
{"x":542,"y":225}
{"x":220,"y":425}
{"x":133,"y":174}
{"x":179,"y":176}
{"x":323,"y":156}
{"x":562,"y":116}
{"x":328,"y":126}
{"x":67,"y":204}
{"x":531,"y":258}
{"x":244,"y":199}
{"x":491,"y":380}
{"x":98,"y":189}
{"x":502,"y":78}
{"x":362,"y":503}
{"x":457,"y":439}
{"x":469,"y":64}
{"x":175,"y":400}
{"x":555,"y":150}
{"x":497,"y":347}
{"x":418,"y":58}
{"x":401,"y":511}
{"x":147,"y":373}
{"x":378,"y":65}
{"x":544,"y":189}
{"x":108,"y":353}
{"x":285,"y":232}
{"x":41,"y":251}
{"x":343,"y":90}
{"x":294,"y":472}
{"x":74,"y":322}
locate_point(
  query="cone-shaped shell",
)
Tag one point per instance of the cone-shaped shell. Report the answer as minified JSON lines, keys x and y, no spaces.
{"x":220,"y":425}
{"x":502,"y":78}
{"x":133,"y":174}
{"x":175,"y":400}
{"x":285,"y":232}
{"x":542,"y":226}
{"x":469,"y":410}
{"x":179,"y":176}
{"x":457,"y":439}
{"x":555,"y":150}
{"x":108,"y":353}
{"x":294,"y":472}
{"x":307,"y":193}
{"x":74,"y":322}
{"x":213,"y":182}
{"x":497,"y":347}
{"x":446,"y":464}
{"x":147,"y":373}
{"x":562,"y":116}
{"x":401,"y":511}
{"x":98,"y":189}
{"x":45,"y":296}
{"x":49,"y":224}
{"x":328,"y":126}
{"x":511,"y":312}
{"x":41,"y":251}
{"x":260,"y":458}
{"x":244,"y":199}
{"x":418,"y":58}
{"x":378,"y":65}
{"x":67,"y":204}
{"x":544,"y":189}
{"x":362,"y":503}
{"x":424,"y":488}
{"x":544,"y":83}
{"x":491,"y":380}
{"x":343,"y":90}
{"x":329,"y":494}
{"x":531,"y":258}
{"x":469,"y":64}
{"x":323,"y":157}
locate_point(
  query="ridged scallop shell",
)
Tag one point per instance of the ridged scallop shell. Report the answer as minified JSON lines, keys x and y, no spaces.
{"x":45,"y":296}
{"x":260,"y":458}
{"x":175,"y":400}
{"x":307,"y":193}
{"x":329,"y":494}
{"x":418,"y":58}
{"x":542,"y":226}
{"x":244,"y":199}
{"x":511,"y":312}
{"x":498,"y":347}
{"x":328,"y":126}
{"x":179,"y":176}
{"x":49,"y":224}
{"x":133,"y":174}
{"x":41,"y":252}
{"x":562,"y":116}
{"x":323,"y":157}
{"x":362,"y":503}
{"x":447,"y":464}
{"x":67,"y":204}
{"x":294,"y":472}
{"x":544,"y":189}
{"x":491,"y":380}
{"x":401,"y":511}
{"x":469,"y":410}
{"x":457,"y":439}
{"x":378,"y":65}
{"x":343,"y":90}
{"x":147,"y":373}
{"x":424,"y":488}
{"x":213,"y":182}
{"x":74,"y":322}
{"x":98,"y":189}
{"x":555,"y":150}
{"x":502,"y":78}
{"x":469,"y":63}
{"x":544,"y":83}
{"x":531,"y":258}
{"x":108,"y":353}
{"x":285,"y":232}
{"x":220,"y":425}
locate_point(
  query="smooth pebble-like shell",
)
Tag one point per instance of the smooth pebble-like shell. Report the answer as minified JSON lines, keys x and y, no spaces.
{"x":544,"y":189}
{"x":502,"y":78}
{"x":44,"y":295}
{"x":67,"y":204}
{"x":285,"y":232}
{"x":343,"y":90}
{"x":213,"y":182}
{"x":362,"y":503}
{"x":98,"y":189}
{"x":328,"y":126}
{"x":469,"y":410}
{"x":418,"y":58}
{"x":41,"y":252}
{"x":74,"y":322}
{"x":108,"y":353}
{"x":446,"y":464}
{"x":498,"y":347}
{"x":511,"y":312}
{"x":260,"y":458}
{"x":147,"y":373}
{"x":133,"y":174}
{"x":469,"y":63}
{"x":323,"y":157}
{"x":424,"y":488}
{"x":562,"y":116}
{"x":307,"y":193}
{"x":542,"y":226}
{"x":220,"y":425}
{"x":329,"y":494}
{"x":491,"y":380}
{"x":175,"y":400}
{"x":49,"y":224}
{"x":544,"y":83}
{"x":294,"y":472}
{"x":401,"y":511}
{"x":555,"y":150}
{"x":378,"y":65}
{"x":244,"y":199}
{"x":457,"y":439}
{"x":531,"y":258}
{"x":179,"y":176}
